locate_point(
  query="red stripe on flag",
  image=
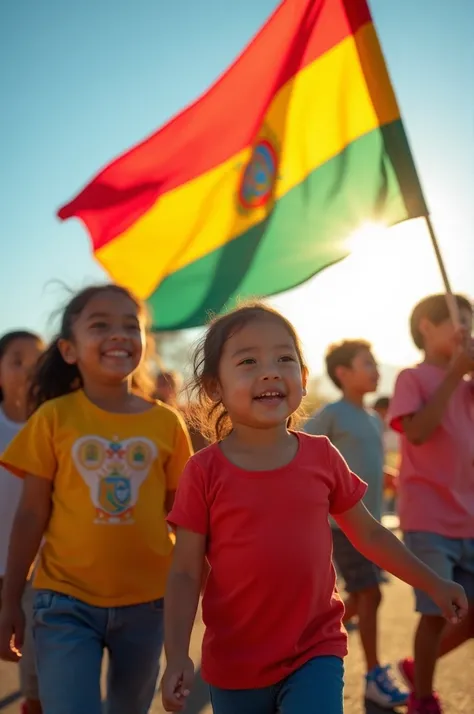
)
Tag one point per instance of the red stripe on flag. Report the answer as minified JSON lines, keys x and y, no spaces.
{"x":221,"y":123}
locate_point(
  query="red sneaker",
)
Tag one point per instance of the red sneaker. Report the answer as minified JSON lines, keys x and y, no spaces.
{"x":406,"y":667}
{"x":428,"y":705}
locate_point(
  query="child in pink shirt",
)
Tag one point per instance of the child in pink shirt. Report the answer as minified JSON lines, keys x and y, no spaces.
{"x":433,"y":410}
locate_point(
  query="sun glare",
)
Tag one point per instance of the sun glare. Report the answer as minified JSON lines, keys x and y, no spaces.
{"x":369,"y":294}
{"x":365,"y":238}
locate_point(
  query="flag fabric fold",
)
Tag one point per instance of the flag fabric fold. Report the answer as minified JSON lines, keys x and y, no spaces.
{"x":257,"y":186}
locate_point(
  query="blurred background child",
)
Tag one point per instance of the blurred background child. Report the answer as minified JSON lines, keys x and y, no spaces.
{"x":19,"y":353}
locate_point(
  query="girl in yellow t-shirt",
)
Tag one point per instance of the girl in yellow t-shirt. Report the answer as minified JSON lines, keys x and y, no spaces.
{"x":100,"y":465}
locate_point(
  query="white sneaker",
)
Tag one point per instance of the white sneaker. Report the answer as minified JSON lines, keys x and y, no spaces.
{"x":381,"y":689}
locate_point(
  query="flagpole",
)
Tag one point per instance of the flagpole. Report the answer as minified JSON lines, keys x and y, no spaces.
{"x":450,"y":299}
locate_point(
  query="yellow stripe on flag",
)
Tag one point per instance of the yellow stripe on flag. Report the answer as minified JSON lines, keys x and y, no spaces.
{"x":313,"y":118}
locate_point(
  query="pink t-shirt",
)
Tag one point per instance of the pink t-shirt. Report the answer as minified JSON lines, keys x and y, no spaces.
{"x":270,"y":602}
{"x":436,"y":489}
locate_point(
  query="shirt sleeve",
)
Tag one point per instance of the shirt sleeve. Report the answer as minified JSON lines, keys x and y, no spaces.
{"x":348,"y":489}
{"x":190,"y":509}
{"x":319,"y":424}
{"x":32,"y":449}
{"x":406,"y":400}
{"x":182,"y":451}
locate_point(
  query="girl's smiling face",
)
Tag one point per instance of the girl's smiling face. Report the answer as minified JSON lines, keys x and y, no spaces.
{"x":108,"y":340}
{"x":261,"y":378}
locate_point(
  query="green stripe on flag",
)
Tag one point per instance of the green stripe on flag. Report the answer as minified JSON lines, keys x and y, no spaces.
{"x":306,"y":232}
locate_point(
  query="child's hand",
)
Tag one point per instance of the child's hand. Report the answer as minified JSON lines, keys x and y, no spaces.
{"x":12,"y":630}
{"x":470,"y":351}
{"x":451,"y":599}
{"x":176,"y":685}
{"x":463,"y":362}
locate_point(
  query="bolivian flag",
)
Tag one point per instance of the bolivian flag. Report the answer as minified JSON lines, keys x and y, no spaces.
{"x":257,"y":185}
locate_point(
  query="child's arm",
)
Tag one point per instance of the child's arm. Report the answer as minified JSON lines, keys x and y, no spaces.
{"x":383,"y":548}
{"x":169,"y":500}
{"x":419,"y":427}
{"x":181,"y":601}
{"x":28,"y":529}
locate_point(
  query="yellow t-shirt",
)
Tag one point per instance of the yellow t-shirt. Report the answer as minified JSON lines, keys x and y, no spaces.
{"x":107,"y":541}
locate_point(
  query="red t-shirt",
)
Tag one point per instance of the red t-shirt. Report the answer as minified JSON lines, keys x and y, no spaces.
{"x":270,"y":602}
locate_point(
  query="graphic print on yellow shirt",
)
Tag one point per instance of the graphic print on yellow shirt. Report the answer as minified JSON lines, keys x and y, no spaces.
{"x":114,"y":471}
{"x":107,"y":542}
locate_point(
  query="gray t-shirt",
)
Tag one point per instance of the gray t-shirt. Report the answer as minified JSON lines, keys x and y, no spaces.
{"x":358,"y":434}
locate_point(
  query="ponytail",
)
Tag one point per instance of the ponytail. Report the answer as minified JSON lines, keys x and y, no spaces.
{"x":53,"y":377}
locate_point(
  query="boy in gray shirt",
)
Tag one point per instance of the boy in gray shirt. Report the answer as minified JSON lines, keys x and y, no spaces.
{"x":358,"y":434}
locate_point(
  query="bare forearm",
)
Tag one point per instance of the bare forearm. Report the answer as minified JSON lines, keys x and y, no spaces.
{"x":385,"y":550}
{"x":421,"y":425}
{"x":181,"y":601}
{"x":169,"y":501}
{"x":25,"y":540}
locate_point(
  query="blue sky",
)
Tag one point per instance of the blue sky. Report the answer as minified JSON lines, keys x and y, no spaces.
{"x":83,"y":81}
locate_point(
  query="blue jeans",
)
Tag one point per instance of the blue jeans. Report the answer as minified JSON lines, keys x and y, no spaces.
{"x":316,"y":688}
{"x":70,"y":638}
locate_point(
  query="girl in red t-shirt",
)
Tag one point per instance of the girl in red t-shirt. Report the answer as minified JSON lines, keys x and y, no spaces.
{"x":255,"y":504}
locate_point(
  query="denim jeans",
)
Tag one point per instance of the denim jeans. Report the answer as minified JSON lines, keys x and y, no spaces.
{"x":70,"y":638}
{"x":315,"y":688}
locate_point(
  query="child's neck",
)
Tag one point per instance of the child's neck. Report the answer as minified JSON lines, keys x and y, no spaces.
{"x":436,"y":359}
{"x":15,"y":411}
{"x":260,"y":449}
{"x":110,"y":397}
{"x":355,"y":398}
{"x":258,"y":438}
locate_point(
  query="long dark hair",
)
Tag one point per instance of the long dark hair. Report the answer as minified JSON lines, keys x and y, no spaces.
{"x":54,"y":377}
{"x":208,"y":416}
{"x":8,"y":338}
